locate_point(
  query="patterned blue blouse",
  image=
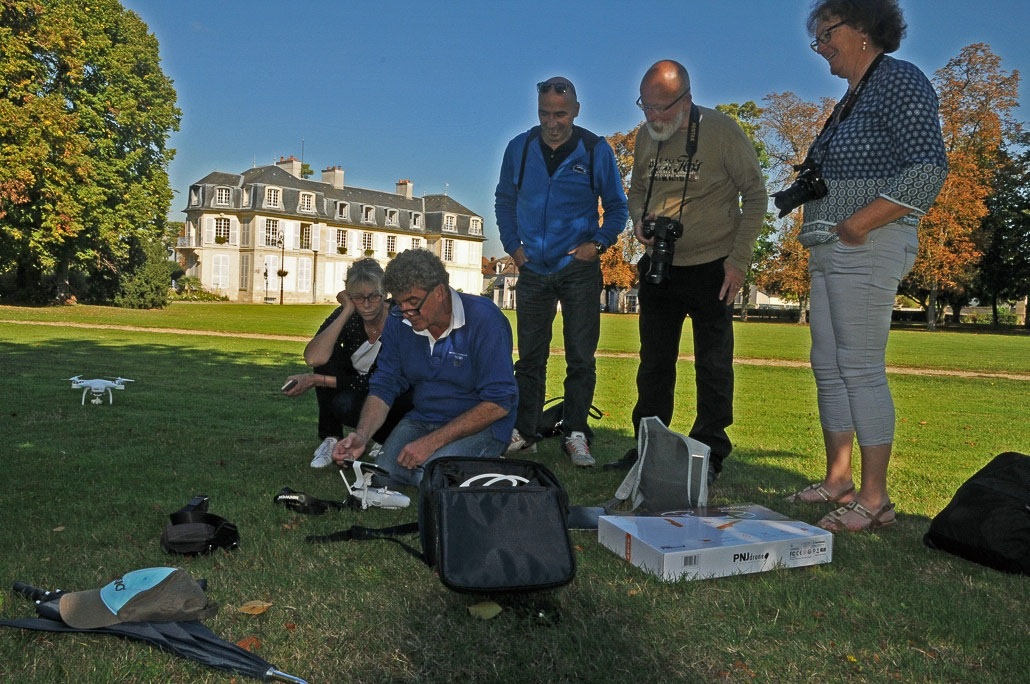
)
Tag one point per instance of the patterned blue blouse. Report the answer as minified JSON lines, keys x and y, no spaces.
{"x":890,"y":146}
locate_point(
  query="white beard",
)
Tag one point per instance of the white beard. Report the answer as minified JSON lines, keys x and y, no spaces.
{"x":663,"y":130}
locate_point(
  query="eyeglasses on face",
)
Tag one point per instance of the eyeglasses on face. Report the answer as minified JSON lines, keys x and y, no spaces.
{"x":397,"y":312}
{"x":823,"y":37}
{"x":660,"y":108}
{"x":560,"y":88}
{"x":373,"y":298}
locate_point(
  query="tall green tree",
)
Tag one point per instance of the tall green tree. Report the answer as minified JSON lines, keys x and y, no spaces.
{"x":85,"y":115}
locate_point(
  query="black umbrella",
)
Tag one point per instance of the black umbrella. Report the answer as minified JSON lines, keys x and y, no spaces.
{"x":191,"y":639}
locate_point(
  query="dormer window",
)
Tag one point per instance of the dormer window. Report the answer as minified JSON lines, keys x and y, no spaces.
{"x":246,"y":197}
{"x":416,"y":220}
{"x":343,"y":210}
{"x":450,"y":222}
{"x":194,"y":196}
{"x":391,"y":217}
{"x":368,"y":214}
{"x":272,"y":196}
{"x":475,"y":226}
{"x":307,"y":202}
{"x":223,"y":196}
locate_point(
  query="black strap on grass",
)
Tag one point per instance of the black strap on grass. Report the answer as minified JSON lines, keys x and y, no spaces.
{"x":358,"y":533}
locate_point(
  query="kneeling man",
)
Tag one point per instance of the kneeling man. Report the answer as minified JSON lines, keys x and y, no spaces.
{"x":454,"y":351}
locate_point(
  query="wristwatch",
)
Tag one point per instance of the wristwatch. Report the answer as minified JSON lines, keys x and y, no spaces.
{"x":600,"y":246}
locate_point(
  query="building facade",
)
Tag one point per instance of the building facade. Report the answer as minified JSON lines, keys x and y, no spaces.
{"x":266,"y":231}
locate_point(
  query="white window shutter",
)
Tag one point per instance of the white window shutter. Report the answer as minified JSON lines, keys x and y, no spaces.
{"x":234,"y":231}
{"x":261,"y":234}
{"x":316,"y":234}
{"x":295,"y":227}
{"x":209,"y":231}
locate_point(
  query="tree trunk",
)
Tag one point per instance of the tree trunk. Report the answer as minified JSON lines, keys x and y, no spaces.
{"x":802,"y":312}
{"x":931,"y":308}
{"x":994,"y":309}
{"x":745,"y":297}
{"x":956,"y":313}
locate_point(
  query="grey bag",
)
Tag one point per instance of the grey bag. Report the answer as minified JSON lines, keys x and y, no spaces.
{"x":671,"y":472}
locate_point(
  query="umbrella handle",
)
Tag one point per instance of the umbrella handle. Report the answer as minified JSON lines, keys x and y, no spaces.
{"x":273,"y":673}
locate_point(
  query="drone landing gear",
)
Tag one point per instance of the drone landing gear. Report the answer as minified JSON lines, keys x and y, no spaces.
{"x":364,"y":495}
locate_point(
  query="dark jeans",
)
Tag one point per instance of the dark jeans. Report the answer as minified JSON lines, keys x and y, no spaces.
{"x":337,"y":408}
{"x":688,"y":291}
{"x":578,"y":288}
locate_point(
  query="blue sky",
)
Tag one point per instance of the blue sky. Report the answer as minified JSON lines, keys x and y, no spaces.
{"x":432,"y":91}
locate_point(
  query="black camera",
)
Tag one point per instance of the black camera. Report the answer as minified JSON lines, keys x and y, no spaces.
{"x":809,"y":185}
{"x":665,"y":231}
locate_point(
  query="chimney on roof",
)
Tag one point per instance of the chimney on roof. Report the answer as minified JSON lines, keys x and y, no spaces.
{"x":290,"y":165}
{"x":404,"y":188}
{"x":333,"y":176}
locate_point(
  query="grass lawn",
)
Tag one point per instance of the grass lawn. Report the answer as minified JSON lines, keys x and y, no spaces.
{"x":87,"y":490}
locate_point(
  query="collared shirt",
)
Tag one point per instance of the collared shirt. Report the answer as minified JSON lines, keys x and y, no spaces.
{"x":554,"y":158}
{"x":457,"y":320}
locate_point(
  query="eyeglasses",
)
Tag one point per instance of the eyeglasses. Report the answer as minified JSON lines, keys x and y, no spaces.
{"x":373,"y":298}
{"x":544,"y":86}
{"x":397,"y":312}
{"x":659,"y":108}
{"x":824,"y":37}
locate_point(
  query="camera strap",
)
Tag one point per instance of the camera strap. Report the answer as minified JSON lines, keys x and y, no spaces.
{"x":841,"y":111}
{"x":691,"y":147}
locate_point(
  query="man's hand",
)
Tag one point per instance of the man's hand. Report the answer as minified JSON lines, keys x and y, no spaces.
{"x":304,"y":382}
{"x":730,"y":283}
{"x":520,"y":257}
{"x":349,"y":448}
{"x":585,"y":252}
{"x":849,"y":234}
{"x":639,"y":231}
{"x":416,"y":453}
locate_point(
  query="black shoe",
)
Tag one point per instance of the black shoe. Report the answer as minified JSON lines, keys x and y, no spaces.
{"x":713,"y":475}
{"x":624,"y":463}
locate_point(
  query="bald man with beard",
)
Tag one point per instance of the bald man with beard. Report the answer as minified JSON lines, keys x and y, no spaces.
{"x":546,"y":203}
{"x":722,"y":213}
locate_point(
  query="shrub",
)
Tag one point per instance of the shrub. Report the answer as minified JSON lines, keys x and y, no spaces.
{"x":146,"y":286}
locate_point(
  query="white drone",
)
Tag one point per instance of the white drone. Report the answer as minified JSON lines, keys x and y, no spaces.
{"x":98,"y":387}
{"x":365,"y":495}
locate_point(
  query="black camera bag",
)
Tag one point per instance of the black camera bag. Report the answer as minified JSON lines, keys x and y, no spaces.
{"x":552,"y":416}
{"x":482,"y":537}
{"x":988,"y":520}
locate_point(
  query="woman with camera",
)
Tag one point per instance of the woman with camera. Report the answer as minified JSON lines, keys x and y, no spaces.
{"x":342,"y":355}
{"x":875,"y":168}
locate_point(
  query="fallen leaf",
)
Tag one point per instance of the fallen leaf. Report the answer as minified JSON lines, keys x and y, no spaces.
{"x":852,"y":658}
{"x":967,"y":427}
{"x":59,"y":528}
{"x":290,"y":626}
{"x":818,"y":614}
{"x":484,"y":610}
{"x":255,"y":607}
{"x":632,"y":592}
{"x":922,"y":422}
{"x":250,"y":643}
{"x":971,"y":443}
{"x":578,"y":547}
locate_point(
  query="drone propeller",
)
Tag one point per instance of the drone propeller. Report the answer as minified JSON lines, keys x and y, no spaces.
{"x":75,"y":377}
{"x":121,"y":381}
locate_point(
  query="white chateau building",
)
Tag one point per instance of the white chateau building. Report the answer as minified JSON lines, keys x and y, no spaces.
{"x":242,"y":230}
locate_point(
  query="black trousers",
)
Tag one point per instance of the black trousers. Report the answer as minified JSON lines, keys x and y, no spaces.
{"x":337,"y":408}
{"x":688,"y":291}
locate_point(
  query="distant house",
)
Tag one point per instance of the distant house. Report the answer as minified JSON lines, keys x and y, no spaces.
{"x":499,"y":278}
{"x":242,"y":230}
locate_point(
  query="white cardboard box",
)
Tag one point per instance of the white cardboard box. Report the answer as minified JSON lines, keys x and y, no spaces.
{"x":715,"y":541}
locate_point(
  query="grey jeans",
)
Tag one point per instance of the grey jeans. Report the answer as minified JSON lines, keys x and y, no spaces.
{"x":853,"y":290}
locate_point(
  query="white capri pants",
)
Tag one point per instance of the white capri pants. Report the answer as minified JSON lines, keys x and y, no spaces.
{"x":853,"y":290}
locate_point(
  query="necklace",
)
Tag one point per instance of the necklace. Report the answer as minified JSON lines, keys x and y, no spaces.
{"x":373,"y":330}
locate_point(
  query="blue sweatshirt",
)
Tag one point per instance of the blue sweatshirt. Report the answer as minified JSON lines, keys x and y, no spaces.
{"x":470,"y":365}
{"x":550,"y":216}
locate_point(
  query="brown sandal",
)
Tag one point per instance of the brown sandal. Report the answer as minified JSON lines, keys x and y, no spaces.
{"x":834,"y":520}
{"x":821,"y":491}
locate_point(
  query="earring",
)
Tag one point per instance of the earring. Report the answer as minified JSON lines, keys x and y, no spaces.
{"x":863,"y":45}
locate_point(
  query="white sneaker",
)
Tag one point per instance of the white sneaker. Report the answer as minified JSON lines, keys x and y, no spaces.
{"x":579,"y":450}
{"x":324,"y":453}
{"x":520,"y":443}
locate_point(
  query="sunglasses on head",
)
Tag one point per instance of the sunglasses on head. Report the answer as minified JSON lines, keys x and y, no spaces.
{"x":544,"y":86}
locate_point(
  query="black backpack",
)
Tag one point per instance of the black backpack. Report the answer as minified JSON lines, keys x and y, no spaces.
{"x":988,"y":520}
{"x":487,"y":525}
{"x":589,"y":139}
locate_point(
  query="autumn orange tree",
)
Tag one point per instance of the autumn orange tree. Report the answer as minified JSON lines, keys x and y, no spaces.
{"x":787,"y":127}
{"x":976,"y":100}
{"x":85,"y":114}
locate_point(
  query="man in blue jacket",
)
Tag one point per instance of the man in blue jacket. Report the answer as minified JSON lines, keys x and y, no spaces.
{"x":454,"y":351}
{"x":546,"y":205}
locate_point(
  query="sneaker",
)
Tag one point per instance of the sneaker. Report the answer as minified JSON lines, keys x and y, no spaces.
{"x":520,"y":443}
{"x":324,"y":453}
{"x":579,"y":450}
{"x":624,"y":463}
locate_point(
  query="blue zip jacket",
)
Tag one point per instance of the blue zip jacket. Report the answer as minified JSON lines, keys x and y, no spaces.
{"x":552,"y":215}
